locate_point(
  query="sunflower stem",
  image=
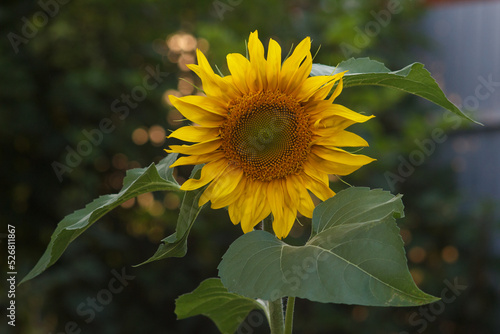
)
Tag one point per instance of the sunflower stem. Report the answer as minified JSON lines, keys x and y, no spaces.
{"x":290,"y":305}
{"x":276,"y":322}
{"x":276,"y":319}
{"x":267,"y":224}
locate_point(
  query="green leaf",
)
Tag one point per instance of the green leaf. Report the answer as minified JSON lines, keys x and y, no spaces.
{"x":137,"y":181}
{"x":355,"y":256}
{"x":175,"y":245}
{"x":211,"y":299}
{"x":350,"y":207}
{"x":413,"y":79}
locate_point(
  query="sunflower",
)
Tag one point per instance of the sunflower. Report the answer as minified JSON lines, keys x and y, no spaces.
{"x":267,"y":134}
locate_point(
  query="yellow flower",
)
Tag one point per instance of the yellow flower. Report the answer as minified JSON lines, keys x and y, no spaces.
{"x":266,"y":134}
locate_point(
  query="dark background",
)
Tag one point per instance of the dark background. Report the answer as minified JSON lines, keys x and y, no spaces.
{"x":71,"y":68}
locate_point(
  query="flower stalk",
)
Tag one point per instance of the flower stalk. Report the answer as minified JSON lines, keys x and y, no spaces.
{"x":290,"y":305}
{"x":276,"y":321}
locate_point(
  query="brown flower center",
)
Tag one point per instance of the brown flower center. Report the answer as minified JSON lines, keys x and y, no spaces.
{"x":267,"y":135}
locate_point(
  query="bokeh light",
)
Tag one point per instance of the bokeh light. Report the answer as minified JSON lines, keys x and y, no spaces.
{"x":157,"y":135}
{"x":450,"y":254}
{"x":417,"y":275}
{"x":128,"y":204}
{"x":360,"y":313}
{"x":120,"y":161}
{"x":172,"y":201}
{"x":145,"y":200}
{"x":186,"y":85}
{"x":140,"y":136}
{"x":417,"y":254}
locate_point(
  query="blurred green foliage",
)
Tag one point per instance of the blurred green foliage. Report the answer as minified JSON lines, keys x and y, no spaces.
{"x":64,"y":80}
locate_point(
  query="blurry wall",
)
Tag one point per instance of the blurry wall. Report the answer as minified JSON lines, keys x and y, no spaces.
{"x":465,"y":58}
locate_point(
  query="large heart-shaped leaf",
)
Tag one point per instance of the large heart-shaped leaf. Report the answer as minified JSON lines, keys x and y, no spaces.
{"x":355,"y":256}
{"x":413,"y":79}
{"x":137,"y":181}
{"x":211,"y":299}
{"x":175,"y":245}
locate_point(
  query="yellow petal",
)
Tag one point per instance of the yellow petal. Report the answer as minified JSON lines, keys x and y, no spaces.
{"x":291,"y":190}
{"x":340,"y":156}
{"x":239,"y":67}
{"x":258,"y":63}
{"x":195,"y":133}
{"x":314,"y":107}
{"x":306,"y":205}
{"x":273,"y":65}
{"x":283,"y":226}
{"x":230,"y":198}
{"x":341,"y":111}
{"x":330,"y":166}
{"x":317,"y":187}
{"x":322,"y":93}
{"x":197,"y":159}
{"x":312,"y":86}
{"x":300,"y":76}
{"x":342,"y":138}
{"x":283,"y":209}
{"x":235,"y":212}
{"x":222,"y":188}
{"x":292,"y":64}
{"x":338,"y":89}
{"x":254,"y":206}
{"x":335,"y":116}
{"x":275,"y":198}
{"x":334,"y":123}
{"x":199,"y":109}
{"x":196,"y":149}
{"x":317,"y":174}
{"x":236,"y":208}
{"x":209,"y":172}
{"x":213,"y":84}
{"x":311,"y":170}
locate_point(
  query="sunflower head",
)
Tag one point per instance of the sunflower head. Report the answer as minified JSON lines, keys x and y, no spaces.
{"x":267,"y":134}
